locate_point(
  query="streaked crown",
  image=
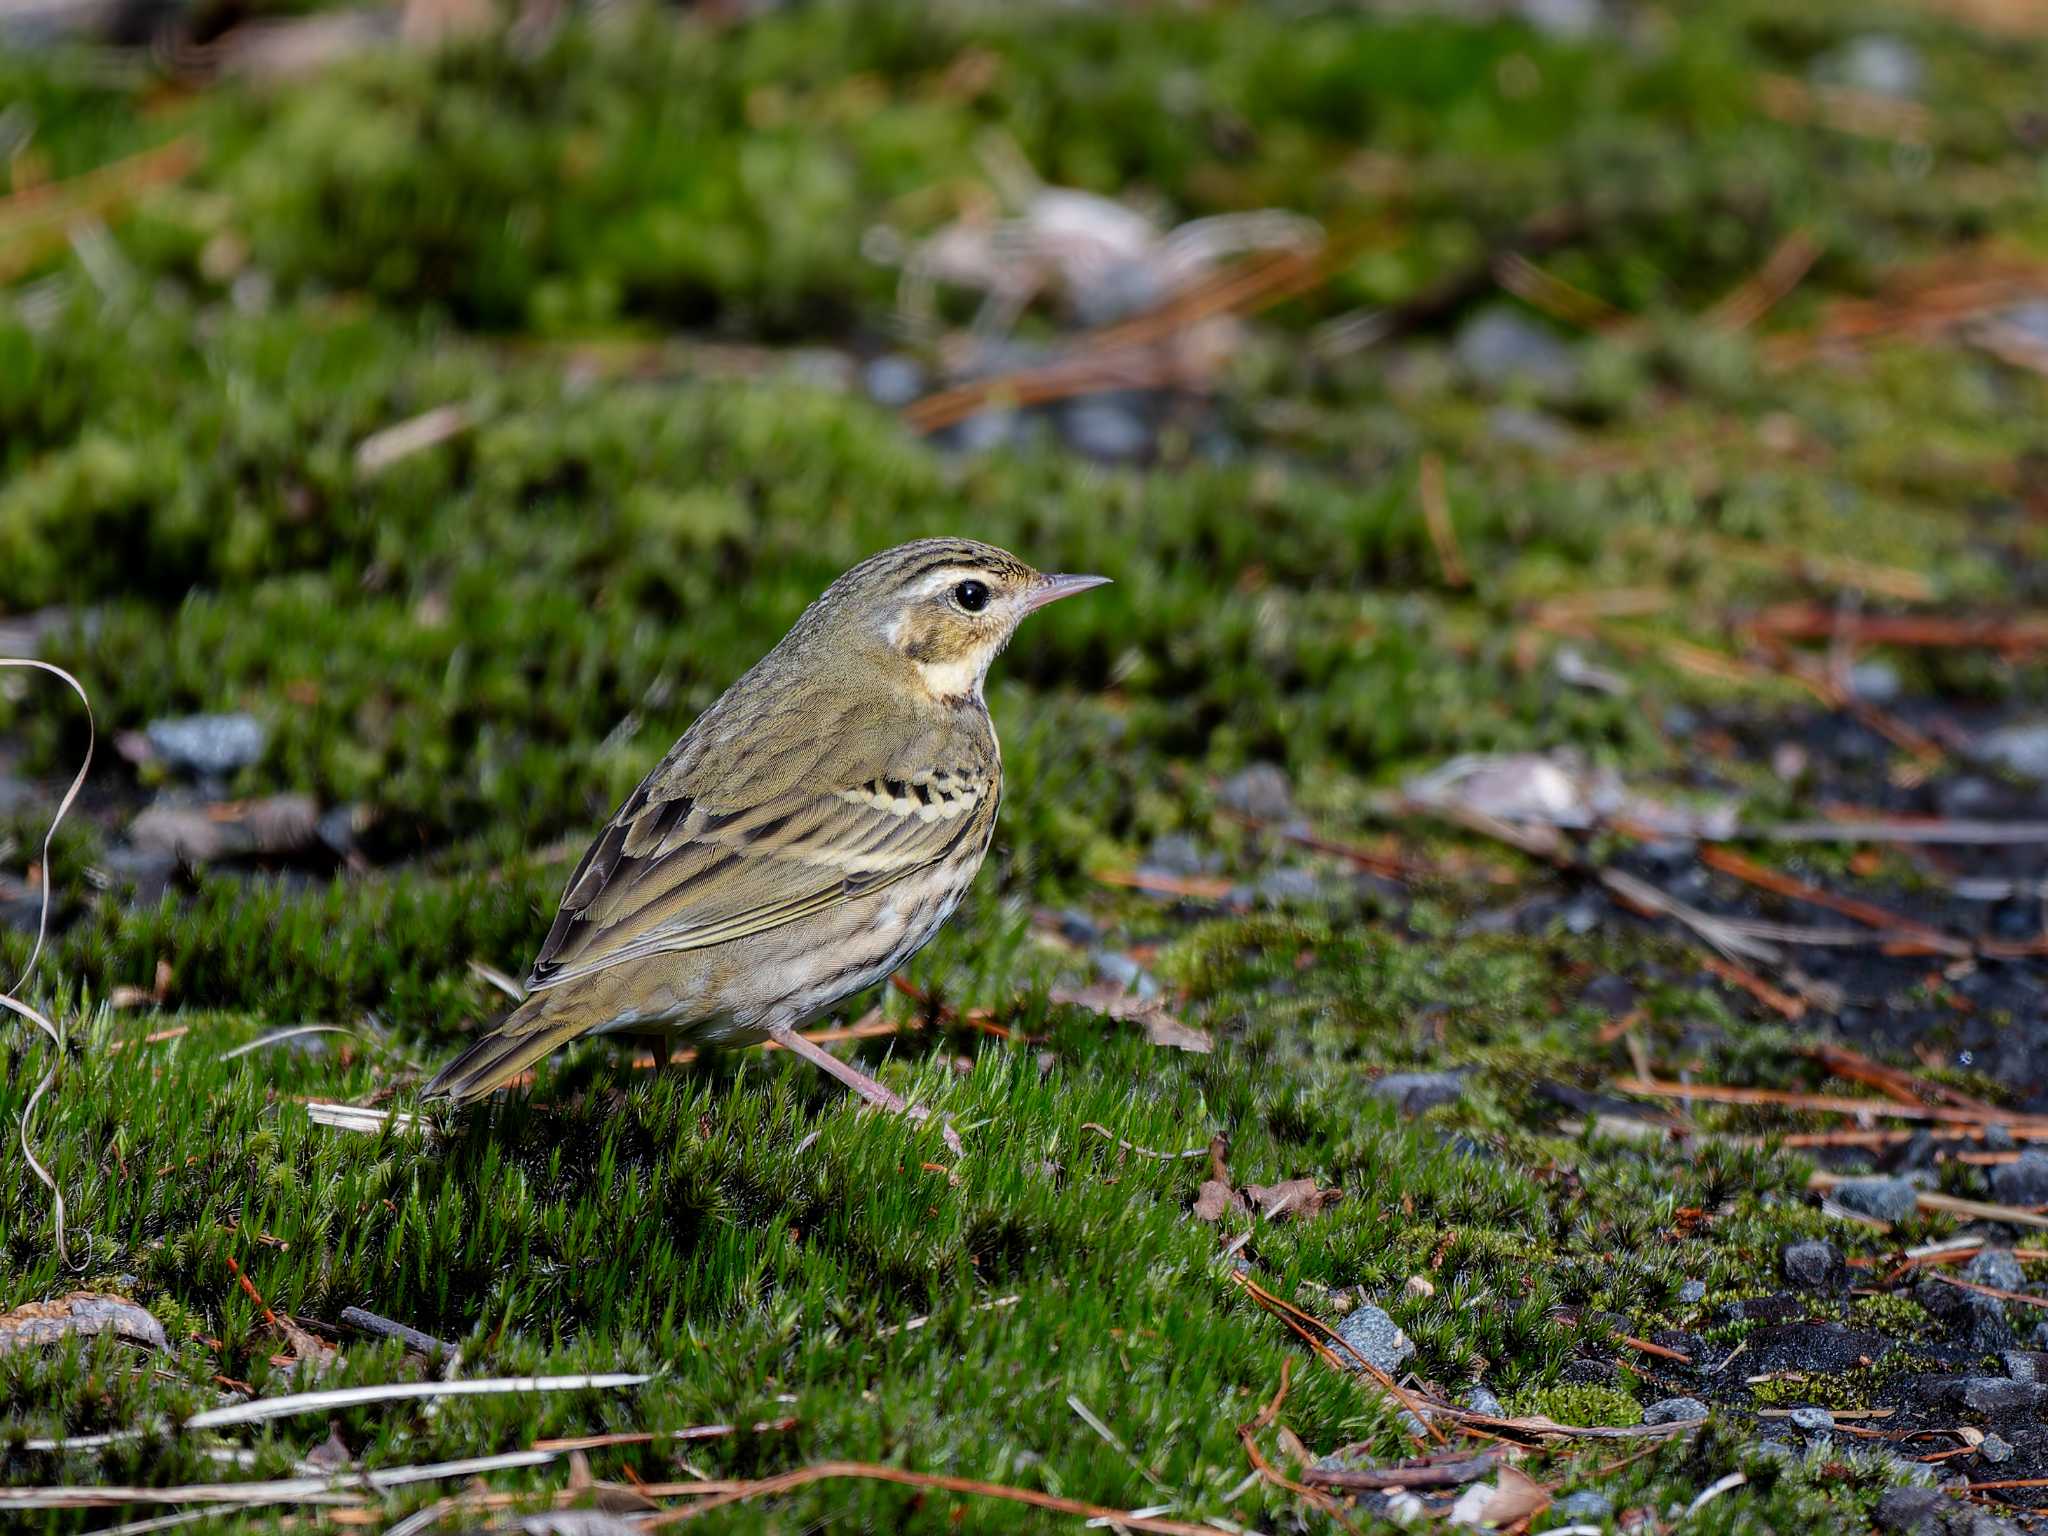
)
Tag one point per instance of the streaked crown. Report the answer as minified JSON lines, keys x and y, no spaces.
{"x":938,"y":610}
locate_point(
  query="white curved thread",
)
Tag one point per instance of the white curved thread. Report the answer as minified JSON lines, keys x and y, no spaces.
{"x":14,"y":1004}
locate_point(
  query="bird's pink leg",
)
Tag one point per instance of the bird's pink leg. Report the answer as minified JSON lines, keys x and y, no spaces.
{"x":857,"y":1080}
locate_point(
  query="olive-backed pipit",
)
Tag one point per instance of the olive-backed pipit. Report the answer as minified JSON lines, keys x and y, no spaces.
{"x":805,"y":837}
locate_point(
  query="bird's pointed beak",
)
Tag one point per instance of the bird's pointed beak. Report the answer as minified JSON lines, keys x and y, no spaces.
{"x":1051,"y":589}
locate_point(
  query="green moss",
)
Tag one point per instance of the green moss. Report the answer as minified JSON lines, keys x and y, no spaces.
{"x":1592,"y":1406}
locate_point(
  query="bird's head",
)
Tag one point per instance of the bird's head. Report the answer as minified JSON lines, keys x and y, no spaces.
{"x":941,"y":610}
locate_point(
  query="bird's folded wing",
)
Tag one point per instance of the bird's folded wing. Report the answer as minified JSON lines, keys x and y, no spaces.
{"x":670,"y":874}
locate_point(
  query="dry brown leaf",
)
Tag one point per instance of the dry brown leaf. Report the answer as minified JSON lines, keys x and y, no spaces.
{"x":1213,"y":1199}
{"x":1113,"y":1002}
{"x":84,"y":1313}
{"x":1291,"y":1198}
{"x":1512,"y":1499}
{"x":1516,"y":1497}
{"x":333,"y":1452}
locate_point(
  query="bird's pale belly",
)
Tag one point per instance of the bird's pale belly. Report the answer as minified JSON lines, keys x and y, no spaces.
{"x":730,"y":993}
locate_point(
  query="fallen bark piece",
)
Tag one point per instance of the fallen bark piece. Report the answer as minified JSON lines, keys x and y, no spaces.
{"x":84,"y":1314}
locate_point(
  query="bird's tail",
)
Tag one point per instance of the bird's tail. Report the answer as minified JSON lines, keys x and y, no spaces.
{"x":526,"y":1034}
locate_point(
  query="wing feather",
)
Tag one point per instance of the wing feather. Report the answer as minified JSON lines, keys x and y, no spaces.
{"x":669,"y":874}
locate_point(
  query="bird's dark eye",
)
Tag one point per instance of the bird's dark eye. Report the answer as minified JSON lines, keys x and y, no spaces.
{"x":971,"y":595}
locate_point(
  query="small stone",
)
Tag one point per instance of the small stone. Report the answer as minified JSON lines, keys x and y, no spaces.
{"x":2024,"y":1182}
{"x":1889,"y":66}
{"x":1998,"y":1394}
{"x":1774,"y":1450}
{"x":1077,"y":927}
{"x":1877,"y":681}
{"x":1260,"y":791}
{"x":1520,"y":427}
{"x":2023,"y":1364}
{"x":1124,"y":972}
{"x":1105,"y":430}
{"x":1177,"y":854}
{"x":1611,"y":994}
{"x":1586,"y":1504}
{"x":1675,"y":1410}
{"x":1279,"y":887}
{"x":2022,"y":749}
{"x":1911,"y":1511}
{"x":1692,"y":1293}
{"x":208,"y":746}
{"x":1501,"y":346}
{"x":1811,"y":1421}
{"x":1879,"y":1197}
{"x":1376,"y":1336}
{"x":1998,"y":1138}
{"x":1997,"y":1268}
{"x":1996,"y":1450}
{"x":1416,"y":1093}
{"x":1813,"y":1265}
{"x":981,"y":431}
{"x":1571,"y":21}
{"x":893,"y":380}
{"x":1979,"y":1321}
{"x":1480,"y":1399}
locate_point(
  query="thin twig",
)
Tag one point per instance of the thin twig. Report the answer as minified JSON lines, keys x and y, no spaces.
{"x":1132,"y":1146}
{"x":291,"y":1405}
{"x":716,"y":1495}
{"x":51,"y":1028}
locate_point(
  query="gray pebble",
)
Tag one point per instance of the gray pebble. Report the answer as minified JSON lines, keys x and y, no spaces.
{"x":1675,"y":1410}
{"x":1521,"y":427}
{"x":1996,"y":1450}
{"x":1480,"y":1399}
{"x":1122,"y":971}
{"x":1177,"y":854}
{"x":1501,"y":346}
{"x":2021,"y":748}
{"x":1416,"y":1093}
{"x":2024,"y":1182}
{"x":1586,"y":1504}
{"x":1885,"y":1199}
{"x":981,"y":431}
{"x":1885,"y":65}
{"x":1813,"y":1265}
{"x":1077,"y":927}
{"x":1911,"y":1511}
{"x":209,"y":746}
{"x":1692,"y":1293}
{"x":893,"y":380}
{"x":1998,"y":1138}
{"x":1376,"y":1336}
{"x":1570,"y":21}
{"x":1877,"y":681}
{"x":1104,"y":430}
{"x":1811,"y":1421}
{"x":1999,"y":1394}
{"x":1278,"y":887}
{"x":1996,"y":1267}
{"x":1260,"y":791}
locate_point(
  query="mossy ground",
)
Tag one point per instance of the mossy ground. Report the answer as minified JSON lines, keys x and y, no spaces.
{"x":485,"y":646}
